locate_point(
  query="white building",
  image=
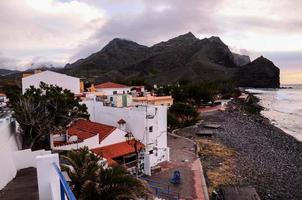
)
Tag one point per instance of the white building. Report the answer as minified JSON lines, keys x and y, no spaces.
{"x":113,"y":144}
{"x":86,"y":133}
{"x":52,"y":78}
{"x":3,"y":100}
{"x":110,"y":88}
{"x":148,"y":124}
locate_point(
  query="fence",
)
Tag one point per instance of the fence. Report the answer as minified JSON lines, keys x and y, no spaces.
{"x":162,"y":190}
{"x":65,"y":190}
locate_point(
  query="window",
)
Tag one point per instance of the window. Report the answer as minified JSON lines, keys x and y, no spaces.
{"x":114,"y":92}
{"x":150,"y":129}
{"x":111,"y":98}
{"x":151,"y":152}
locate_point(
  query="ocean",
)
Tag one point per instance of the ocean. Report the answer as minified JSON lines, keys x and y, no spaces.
{"x":283,"y":107}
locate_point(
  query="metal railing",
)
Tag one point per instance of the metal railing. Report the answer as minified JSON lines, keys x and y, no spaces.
{"x":162,"y":190}
{"x":64,"y":187}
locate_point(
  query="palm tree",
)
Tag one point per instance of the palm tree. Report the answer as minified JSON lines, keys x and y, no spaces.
{"x":90,"y":180}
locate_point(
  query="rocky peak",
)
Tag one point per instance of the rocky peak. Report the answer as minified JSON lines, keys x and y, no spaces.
{"x":118,"y":43}
{"x":215,"y":39}
{"x":181,"y":40}
{"x":260,"y":73}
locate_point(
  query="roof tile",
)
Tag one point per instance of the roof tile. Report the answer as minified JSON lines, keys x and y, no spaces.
{"x":85,"y":129}
{"x":116,"y":150}
{"x":110,"y":85}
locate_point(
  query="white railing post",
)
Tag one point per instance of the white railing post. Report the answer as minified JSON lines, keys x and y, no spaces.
{"x":48,"y":180}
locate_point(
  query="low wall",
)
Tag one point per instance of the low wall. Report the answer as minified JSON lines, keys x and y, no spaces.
{"x":10,"y":157}
{"x":8,"y":145}
{"x":27,"y":158}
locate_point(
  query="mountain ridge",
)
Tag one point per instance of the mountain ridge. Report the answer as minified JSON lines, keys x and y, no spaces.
{"x":182,"y":57}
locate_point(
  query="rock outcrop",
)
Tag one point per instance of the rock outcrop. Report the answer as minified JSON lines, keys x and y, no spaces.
{"x":261,"y":73}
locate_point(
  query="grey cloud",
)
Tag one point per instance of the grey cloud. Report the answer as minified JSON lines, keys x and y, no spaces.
{"x":154,"y":24}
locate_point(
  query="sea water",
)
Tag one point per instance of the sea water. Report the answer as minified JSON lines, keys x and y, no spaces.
{"x":283,"y":107}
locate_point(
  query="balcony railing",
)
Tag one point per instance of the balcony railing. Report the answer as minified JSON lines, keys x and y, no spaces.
{"x":162,"y":190}
{"x":65,"y":190}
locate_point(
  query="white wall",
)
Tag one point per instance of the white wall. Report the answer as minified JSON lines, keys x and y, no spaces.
{"x":137,"y":123}
{"x":48,"y":179}
{"x":116,"y":136}
{"x":27,"y":158}
{"x":49,"y":77}
{"x":8,"y":145}
{"x":109,"y":91}
{"x":92,"y":142}
{"x":110,"y":115}
{"x":11,"y":159}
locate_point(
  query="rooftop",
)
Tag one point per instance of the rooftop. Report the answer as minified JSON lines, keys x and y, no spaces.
{"x":110,"y":85}
{"x":116,"y":150}
{"x":85,"y":129}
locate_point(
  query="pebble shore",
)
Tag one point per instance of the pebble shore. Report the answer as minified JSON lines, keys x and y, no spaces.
{"x":267,"y":158}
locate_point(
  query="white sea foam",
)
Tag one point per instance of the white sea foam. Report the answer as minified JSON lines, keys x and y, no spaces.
{"x":283,"y":107}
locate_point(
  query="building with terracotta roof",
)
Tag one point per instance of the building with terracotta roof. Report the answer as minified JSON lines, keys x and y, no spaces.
{"x":86,"y":133}
{"x":110,"y":88}
{"x":147,"y":123}
{"x":113,"y":94}
{"x":123,"y":153}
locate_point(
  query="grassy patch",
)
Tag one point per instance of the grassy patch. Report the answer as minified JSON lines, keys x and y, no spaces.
{"x":218,"y":162}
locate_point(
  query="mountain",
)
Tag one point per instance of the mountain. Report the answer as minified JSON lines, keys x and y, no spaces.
{"x":184,"y":57}
{"x":115,"y":55}
{"x":261,"y":73}
{"x":4,"y":72}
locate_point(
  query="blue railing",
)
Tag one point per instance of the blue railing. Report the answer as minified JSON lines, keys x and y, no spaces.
{"x":64,"y":187}
{"x":162,"y":189}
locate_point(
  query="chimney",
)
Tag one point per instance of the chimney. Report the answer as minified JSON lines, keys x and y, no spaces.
{"x":122,"y":124}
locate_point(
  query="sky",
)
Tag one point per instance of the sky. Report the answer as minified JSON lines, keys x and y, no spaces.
{"x":56,"y":32}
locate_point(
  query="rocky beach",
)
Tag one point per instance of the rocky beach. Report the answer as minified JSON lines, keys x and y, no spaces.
{"x":248,"y":150}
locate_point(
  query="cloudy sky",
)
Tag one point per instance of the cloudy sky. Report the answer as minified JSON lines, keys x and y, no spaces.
{"x":60,"y":31}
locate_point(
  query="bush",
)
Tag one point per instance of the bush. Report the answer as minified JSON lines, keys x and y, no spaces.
{"x":181,"y":114}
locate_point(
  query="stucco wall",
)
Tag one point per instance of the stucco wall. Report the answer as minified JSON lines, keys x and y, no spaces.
{"x":109,"y":91}
{"x":10,"y":158}
{"x":49,"y":77}
{"x":137,"y":123}
{"x":116,"y":136}
{"x":110,"y":115}
{"x":8,"y":145}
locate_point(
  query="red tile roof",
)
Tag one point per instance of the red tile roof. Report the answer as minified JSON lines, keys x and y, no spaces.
{"x":2,"y":95}
{"x":85,"y":129}
{"x":110,"y":85}
{"x":116,"y":150}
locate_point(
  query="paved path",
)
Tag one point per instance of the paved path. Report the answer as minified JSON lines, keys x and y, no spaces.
{"x":184,"y":159}
{"x":23,"y":187}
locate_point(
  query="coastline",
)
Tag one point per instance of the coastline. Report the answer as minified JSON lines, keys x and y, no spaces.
{"x":249,"y":150}
{"x":281,"y":107}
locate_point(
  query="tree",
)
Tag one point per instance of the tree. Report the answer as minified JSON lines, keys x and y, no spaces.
{"x":183,"y":114}
{"x":90,"y":180}
{"x":44,"y":110}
